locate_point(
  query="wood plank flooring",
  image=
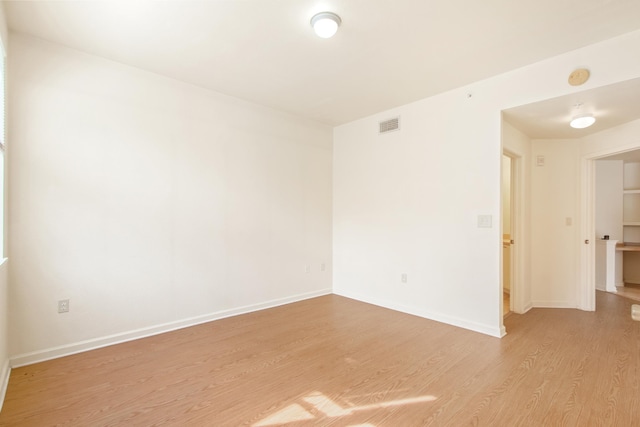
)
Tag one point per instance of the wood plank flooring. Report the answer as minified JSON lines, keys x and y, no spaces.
{"x":629,"y":290}
{"x":332,"y":361}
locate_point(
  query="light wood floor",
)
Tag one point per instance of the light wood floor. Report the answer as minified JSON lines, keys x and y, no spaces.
{"x":629,"y":290}
{"x":331,"y":361}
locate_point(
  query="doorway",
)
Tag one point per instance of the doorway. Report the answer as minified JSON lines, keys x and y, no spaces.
{"x":610,"y":210}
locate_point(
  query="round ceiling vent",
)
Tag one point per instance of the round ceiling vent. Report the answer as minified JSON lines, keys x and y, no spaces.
{"x":578,"y":77}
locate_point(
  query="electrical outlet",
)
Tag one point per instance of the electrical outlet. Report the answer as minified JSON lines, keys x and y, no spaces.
{"x":307,"y":269}
{"x":323,"y":267}
{"x":403,"y":277}
{"x":63,"y":306}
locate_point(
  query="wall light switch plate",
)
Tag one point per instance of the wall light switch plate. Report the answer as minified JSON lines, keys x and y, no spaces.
{"x":485,"y":221}
{"x":63,"y":306}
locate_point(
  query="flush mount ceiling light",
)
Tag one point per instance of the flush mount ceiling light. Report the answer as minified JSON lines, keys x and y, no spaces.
{"x":582,"y":122}
{"x":581,"y":119}
{"x":325,"y":24}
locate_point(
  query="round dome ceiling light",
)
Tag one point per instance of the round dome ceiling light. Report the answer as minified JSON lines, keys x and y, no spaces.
{"x":582,"y":122}
{"x":325,"y":24}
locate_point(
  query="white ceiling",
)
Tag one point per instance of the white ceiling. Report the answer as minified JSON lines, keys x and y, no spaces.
{"x":386,"y":53}
{"x":611,"y":105}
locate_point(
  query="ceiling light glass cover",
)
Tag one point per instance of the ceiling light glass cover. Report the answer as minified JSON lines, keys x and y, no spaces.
{"x":325,"y":24}
{"x":582,"y":122}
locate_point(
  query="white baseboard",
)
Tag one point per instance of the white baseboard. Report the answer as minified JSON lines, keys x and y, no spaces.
{"x":92,"y":344}
{"x":554,"y":304}
{"x":4,"y":380}
{"x":527,"y":308}
{"x":503,"y":331}
{"x":498,"y":332}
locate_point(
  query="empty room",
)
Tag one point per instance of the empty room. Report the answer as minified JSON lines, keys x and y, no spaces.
{"x":297,"y":213}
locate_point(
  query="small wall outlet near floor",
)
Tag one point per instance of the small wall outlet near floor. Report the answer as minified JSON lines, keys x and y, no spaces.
{"x":63,"y":306}
{"x":403,"y":277}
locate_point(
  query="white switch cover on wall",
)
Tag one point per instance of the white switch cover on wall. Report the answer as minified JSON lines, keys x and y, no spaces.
{"x":63,"y":306}
{"x":484,"y":221}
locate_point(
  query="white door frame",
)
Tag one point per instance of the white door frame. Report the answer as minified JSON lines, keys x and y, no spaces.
{"x":517,"y":230}
{"x":586,"y":291}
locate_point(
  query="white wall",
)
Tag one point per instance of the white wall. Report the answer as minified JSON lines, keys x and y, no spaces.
{"x":555,"y":215}
{"x":5,"y":369}
{"x":408,"y":201}
{"x":619,"y":139}
{"x":608,"y":216}
{"x":4,"y":290}
{"x":608,"y":219}
{"x":152,"y":204}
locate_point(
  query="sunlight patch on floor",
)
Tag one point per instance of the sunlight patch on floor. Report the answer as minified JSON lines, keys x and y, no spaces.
{"x":320,"y":403}
{"x":291,"y":413}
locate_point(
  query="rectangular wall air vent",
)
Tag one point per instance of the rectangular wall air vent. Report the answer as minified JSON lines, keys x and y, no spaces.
{"x":389,"y":125}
